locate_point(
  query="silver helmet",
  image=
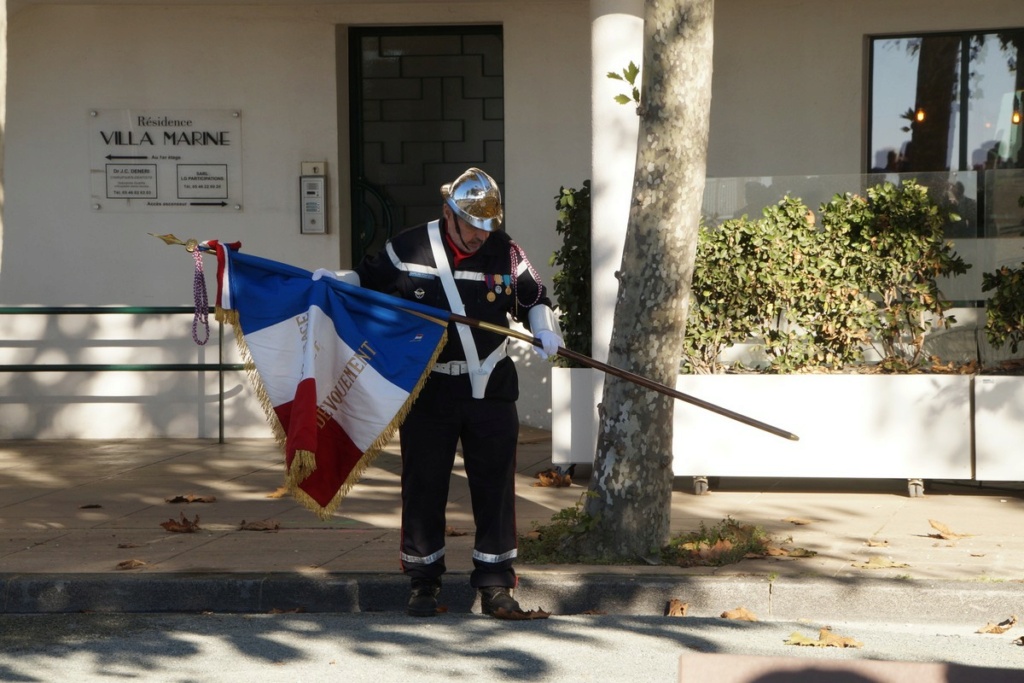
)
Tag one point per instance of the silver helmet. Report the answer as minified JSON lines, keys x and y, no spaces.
{"x":475,"y":198}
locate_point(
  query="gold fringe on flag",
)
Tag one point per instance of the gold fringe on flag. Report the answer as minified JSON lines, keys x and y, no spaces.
{"x":303,"y":464}
{"x":280,"y":437}
{"x":226,"y":316}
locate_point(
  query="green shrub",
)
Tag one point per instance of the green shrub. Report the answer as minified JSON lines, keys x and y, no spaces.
{"x":815,"y":297}
{"x":896,"y":254}
{"x":724,"y":307}
{"x":571,"y":284}
{"x":1004,"y":311}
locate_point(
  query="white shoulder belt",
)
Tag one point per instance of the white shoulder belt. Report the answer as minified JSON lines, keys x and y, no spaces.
{"x":479,"y":373}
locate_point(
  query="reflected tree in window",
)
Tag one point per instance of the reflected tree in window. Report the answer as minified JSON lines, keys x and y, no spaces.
{"x":931,"y":118}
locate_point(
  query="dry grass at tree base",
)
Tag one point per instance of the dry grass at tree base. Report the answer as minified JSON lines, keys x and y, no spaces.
{"x":726,"y":542}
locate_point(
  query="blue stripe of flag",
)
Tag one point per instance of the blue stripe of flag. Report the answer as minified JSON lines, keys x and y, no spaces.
{"x":266,"y":292}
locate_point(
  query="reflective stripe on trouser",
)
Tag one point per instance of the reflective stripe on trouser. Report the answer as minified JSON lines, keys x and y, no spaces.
{"x":429,"y":559}
{"x":488,"y":430}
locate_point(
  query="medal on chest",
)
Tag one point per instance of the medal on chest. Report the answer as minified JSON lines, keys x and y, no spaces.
{"x":497,"y":284}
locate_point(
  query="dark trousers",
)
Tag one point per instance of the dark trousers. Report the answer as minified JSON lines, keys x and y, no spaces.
{"x":489,"y":430}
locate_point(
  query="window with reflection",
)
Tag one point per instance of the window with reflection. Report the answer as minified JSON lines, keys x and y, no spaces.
{"x":944,"y":102}
{"x":953,"y":102}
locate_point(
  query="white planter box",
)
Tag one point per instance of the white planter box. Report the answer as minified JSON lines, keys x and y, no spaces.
{"x":999,"y":428}
{"x":858,"y":426}
{"x":574,"y":398}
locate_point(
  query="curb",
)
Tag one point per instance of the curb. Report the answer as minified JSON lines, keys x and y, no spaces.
{"x":557,"y":592}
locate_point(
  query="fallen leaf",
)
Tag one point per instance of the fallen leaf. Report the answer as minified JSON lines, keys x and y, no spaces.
{"x":552,"y":478}
{"x":281,"y":492}
{"x":832,"y":640}
{"x":945,"y":532}
{"x":739,"y":614}
{"x":190,"y":498}
{"x":182,"y":526}
{"x":130,"y":564}
{"x":953,"y":367}
{"x":1002,"y":627}
{"x":452,"y":531}
{"x":1019,"y":641}
{"x":516,"y":615}
{"x":878,"y":562}
{"x":797,"y":638}
{"x":798,"y":521}
{"x":825,"y":639}
{"x":676,"y":608}
{"x":872,"y":543}
{"x":261,"y":525}
{"x":722,"y":546}
{"x":782,"y":551}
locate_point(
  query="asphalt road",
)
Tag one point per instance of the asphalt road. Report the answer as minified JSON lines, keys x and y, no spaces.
{"x":377,"y":647}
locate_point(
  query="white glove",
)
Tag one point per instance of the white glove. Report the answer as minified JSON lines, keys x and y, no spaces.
{"x":349,"y":276}
{"x":323,"y":272}
{"x":544,"y":326}
{"x":550,"y":341}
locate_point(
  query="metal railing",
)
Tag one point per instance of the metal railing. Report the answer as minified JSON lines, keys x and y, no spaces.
{"x":220,"y":367}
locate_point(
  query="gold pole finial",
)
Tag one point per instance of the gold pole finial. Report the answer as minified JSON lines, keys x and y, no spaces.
{"x":190,"y":245}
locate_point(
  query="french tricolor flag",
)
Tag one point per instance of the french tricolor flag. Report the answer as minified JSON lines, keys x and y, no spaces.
{"x":336,"y":366}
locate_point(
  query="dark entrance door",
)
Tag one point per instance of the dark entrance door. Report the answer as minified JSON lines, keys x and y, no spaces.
{"x":427,"y":103}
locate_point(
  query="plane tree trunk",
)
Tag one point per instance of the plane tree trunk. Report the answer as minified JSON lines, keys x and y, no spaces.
{"x":631,"y":485}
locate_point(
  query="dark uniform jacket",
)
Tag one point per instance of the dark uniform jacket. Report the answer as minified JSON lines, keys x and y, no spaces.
{"x":406,"y":268}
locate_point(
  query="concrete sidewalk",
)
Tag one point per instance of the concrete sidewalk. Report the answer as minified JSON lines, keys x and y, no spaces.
{"x":73,"y":512}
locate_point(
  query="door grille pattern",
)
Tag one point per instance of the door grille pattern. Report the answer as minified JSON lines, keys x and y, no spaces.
{"x":427,"y":103}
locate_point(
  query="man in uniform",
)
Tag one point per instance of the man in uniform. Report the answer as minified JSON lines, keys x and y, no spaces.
{"x":464,"y":262}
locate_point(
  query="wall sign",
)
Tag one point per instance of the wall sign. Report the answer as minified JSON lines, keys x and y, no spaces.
{"x":165,"y":160}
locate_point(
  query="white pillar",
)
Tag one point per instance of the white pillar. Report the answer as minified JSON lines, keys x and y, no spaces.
{"x":616,"y":40}
{"x":616,"y":35}
{"x":3,"y":112}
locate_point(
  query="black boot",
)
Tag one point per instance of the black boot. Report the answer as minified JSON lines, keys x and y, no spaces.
{"x":423,"y":600}
{"x":494,"y":598}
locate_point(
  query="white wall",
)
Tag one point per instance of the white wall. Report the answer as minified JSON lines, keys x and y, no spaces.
{"x":275,"y":66}
{"x":278,"y":66}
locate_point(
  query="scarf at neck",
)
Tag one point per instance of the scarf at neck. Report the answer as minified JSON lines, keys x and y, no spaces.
{"x":460,"y":255}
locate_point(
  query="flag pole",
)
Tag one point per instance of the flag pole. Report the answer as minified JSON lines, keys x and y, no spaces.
{"x":626,"y":375}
